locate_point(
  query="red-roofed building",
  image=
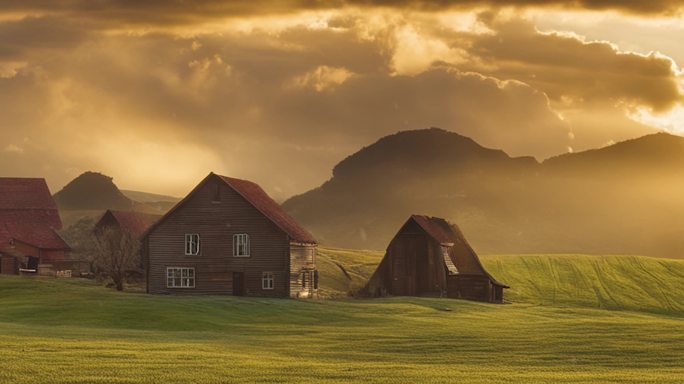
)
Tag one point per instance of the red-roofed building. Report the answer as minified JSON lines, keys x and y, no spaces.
{"x":133,"y":223}
{"x":430,"y":256}
{"x":229,"y":237}
{"x":29,"y":221}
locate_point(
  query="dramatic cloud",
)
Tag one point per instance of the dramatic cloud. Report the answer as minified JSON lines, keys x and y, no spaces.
{"x":176,"y":11}
{"x":157,"y":94}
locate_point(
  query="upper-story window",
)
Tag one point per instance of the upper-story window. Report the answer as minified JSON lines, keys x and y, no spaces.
{"x":192,"y":244}
{"x":241,"y":245}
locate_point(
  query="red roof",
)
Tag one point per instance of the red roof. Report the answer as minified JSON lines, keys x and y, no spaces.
{"x":25,"y":193}
{"x":29,"y":214}
{"x":37,"y":235}
{"x":460,"y":252}
{"x":256,"y":196}
{"x":269,"y":208}
{"x":438,"y":228}
{"x":135,"y":223}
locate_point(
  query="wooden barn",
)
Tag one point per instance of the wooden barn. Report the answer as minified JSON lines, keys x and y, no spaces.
{"x":29,"y":221}
{"x":430,"y":257}
{"x":133,"y":223}
{"x":229,"y":237}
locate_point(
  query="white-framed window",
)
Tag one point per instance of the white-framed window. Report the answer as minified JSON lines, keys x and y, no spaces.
{"x":180,"y":277}
{"x":192,"y":244}
{"x":267,"y":280}
{"x":241,"y":245}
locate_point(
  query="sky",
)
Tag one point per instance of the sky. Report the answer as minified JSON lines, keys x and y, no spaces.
{"x":159,"y":93}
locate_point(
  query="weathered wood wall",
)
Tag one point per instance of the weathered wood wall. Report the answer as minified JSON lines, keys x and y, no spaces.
{"x":216,"y":221}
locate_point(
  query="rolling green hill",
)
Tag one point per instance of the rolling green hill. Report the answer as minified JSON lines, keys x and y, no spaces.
{"x":76,"y":331}
{"x":612,"y":282}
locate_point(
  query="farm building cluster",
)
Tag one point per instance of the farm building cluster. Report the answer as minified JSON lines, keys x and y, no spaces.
{"x":227,"y":236}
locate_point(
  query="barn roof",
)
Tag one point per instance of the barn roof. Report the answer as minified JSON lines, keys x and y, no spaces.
{"x":28,"y":228}
{"x":438,"y":228}
{"x":461,"y":253}
{"x":256,"y":196}
{"x":135,"y":223}
{"x":260,"y":200}
{"x":25,"y":193}
{"x":28,"y":213}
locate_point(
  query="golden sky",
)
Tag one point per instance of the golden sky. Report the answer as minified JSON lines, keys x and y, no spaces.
{"x":159,"y":93}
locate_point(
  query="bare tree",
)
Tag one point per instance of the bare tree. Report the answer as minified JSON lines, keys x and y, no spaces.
{"x":116,"y":253}
{"x":81,"y":239}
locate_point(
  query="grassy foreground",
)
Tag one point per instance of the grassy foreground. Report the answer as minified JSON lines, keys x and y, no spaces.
{"x":74,"y":331}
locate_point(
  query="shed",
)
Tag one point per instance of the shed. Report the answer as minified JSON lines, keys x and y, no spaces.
{"x":131,"y":222}
{"x":430,"y":257}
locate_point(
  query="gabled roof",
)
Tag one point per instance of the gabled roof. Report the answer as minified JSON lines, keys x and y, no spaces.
{"x":260,"y":200}
{"x":25,"y":193}
{"x":438,"y":228}
{"x":27,"y":227}
{"x":447,"y":234}
{"x":29,"y":195}
{"x":29,"y":214}
{"x":135,"y":223}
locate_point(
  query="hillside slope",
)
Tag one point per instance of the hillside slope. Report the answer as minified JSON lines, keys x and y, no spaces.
{"x":636,"y":283}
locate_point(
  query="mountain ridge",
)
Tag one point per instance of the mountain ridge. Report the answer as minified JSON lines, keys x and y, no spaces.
{"x":583,"y":202}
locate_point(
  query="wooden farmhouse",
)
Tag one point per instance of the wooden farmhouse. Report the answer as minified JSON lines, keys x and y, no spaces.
{"x":229,"y":237}
{"x":29,"y":221}
{"x":429,"y":256}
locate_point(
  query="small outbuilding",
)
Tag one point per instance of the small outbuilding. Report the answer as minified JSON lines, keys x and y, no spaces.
{"x":430,"y":257}
{"x":130,"y":222}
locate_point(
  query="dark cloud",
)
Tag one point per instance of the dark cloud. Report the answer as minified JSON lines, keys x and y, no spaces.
{"x":173,"y":12}
{"x":282,"y":105}
{"x":571,"y":70}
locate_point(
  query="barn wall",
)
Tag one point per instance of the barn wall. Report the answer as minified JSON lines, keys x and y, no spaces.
{"x":216,"y":222}
{"x":26,"y":249}
{"x":8,"y":265}
{"x":412,"y":265}
{"x":471,"y":287}
{"x":50,"y":256}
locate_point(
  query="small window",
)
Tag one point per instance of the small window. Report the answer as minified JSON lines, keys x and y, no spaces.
{"x":241,"y":245}
{"x":304,"y":273}
{"x":267,"y":280}
{"x":180,"y":277}
{"x":192,"y":244}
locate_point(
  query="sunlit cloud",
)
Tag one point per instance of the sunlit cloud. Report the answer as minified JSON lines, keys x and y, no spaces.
{"x":159,"y":96}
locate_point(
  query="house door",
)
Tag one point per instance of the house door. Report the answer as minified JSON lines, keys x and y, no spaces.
{"x":238,"y":284}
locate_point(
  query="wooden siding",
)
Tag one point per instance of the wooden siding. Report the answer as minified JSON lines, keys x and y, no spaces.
{"x":8,"y":265}
{"x":216,"y":221}
{"x":414,"y":265}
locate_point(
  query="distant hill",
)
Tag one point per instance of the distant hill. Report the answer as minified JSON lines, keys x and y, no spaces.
{"x":624,"y":198}
{"x":146,"y":197}
{"x":92,"y":191}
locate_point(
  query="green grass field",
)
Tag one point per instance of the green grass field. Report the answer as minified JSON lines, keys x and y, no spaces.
{"x":573,"y":319}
